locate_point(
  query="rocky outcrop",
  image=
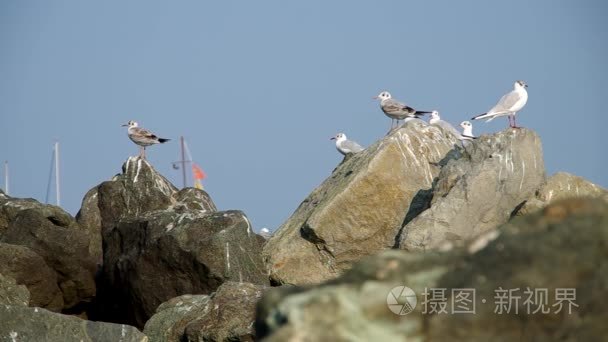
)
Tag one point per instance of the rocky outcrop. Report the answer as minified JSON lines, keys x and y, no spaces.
{"x":30,"y":269}
{"x":559,"y":186}
{"x":11,"y":293}
{"x":230,"y":316}
{"x":225,"y":315}
{"x":561,"y":247}
{"x":479,"y":191}
{"x":160,"y":243}
{"x":54,"y":235}
{"x":361,"y":207}
{"x":19,"y":323}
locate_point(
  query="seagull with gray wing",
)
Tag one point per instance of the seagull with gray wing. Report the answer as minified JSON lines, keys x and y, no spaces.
{"x":345,"y":146}
{"x":396,"y":110}
{"x":142,"y":137}
{"x":509,"y":104}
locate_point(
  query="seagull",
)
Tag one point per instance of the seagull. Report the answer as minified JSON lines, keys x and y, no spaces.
{"x":509,"y":104}
{"x":435,"y":120}
{"x":395,"y":109}
{"x":345,"y":146}
{"x":467,"y":131}
{"x":142,"y":137}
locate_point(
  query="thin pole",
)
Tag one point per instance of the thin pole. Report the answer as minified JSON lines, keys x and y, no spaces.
{"x":48,"y":183}
{"x":57,"y":187}
{"x":6,"y":191}
{"x":183,"y":160}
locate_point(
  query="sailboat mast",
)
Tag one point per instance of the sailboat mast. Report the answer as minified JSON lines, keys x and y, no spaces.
{"x":57,"y":187}
{"x":181,"y":139}
{"x":6,"y":191}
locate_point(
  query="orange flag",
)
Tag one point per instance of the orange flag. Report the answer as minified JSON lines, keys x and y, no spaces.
{"x":199,"y":175}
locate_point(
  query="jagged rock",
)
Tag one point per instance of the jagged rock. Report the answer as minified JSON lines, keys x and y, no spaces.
{"x":360,"y":208}
{"x":18,"y":323}
{"x":559,"y":186}
{"x":479,"y":191}
{"x":29,"y":269}
{"x":54,"y":235}
{"x":11,"y":206}
{"x":89,"y":217}
{"x":11,"y":293}
{"x":230,"y":315}
{"x":171,"y":317}
{"x":563,"y":246}
{"x":160,"y":243}
{"x":225,"y":315}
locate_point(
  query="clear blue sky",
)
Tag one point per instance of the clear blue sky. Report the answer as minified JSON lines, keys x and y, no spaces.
{"x":258,"y":87}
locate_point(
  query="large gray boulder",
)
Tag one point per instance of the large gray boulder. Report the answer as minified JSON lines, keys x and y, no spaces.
{"x":11,"y":293}
{"x":19,"y":323}
{"x":559,"y":186}
{"x":55,"y":236}
{"x":561,"y":247}
{"x":479,"y":191}
{"x":160,"y":243}
{"x":361,"y":207}
{"x":225,"y":315}
{"x":30,"y":269}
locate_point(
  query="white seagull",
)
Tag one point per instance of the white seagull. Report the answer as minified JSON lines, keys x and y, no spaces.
{"x":467,"y":131}
{"x":345,"y":146}
{"x":142,"y":137}
{"x":395,"y":109}
{"x":435,"y":120}
{"x":509,"y":104}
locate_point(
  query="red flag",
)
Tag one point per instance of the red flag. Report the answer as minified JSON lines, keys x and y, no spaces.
{"x":197,"y":172}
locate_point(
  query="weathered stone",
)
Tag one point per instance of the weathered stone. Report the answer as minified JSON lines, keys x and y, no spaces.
{"x":89,"y":218}
{"x":18,"y":323}
{"x":154,"y":234}
{"x":11,"y":293}
{"x":55,"y":236}
{"x":562,"y":246}
{"x":171,"y":318}
{"x":479,"y":191}
{"x":559,"y":186}
{"x":230,"y":315}
{"x":225,"y":315}
{"x":361,"y":207}
{"x":29,"y":269}
{"x":64,"y":249}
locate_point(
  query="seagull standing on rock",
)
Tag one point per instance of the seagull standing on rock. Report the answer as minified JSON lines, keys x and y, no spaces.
{"x":395,"y":109}
{"x":467,"y":131}
{"x":509,"y":104}
{"x":345,"y":146}
{"x":142,"y":137}
{"x":435,"y":120}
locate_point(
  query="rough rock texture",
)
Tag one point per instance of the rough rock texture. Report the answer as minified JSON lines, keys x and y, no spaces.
{"x":29,"y":269}
{"x":89,"y":217}
{"x":160,"y":243}
{"x":563,"y":246}
{"x":230,"y":314}
{"x":225,"y":315}
{"x":55,"y":236}
{"x":478,"y":191}
{"x":559,"y":186}
{"x":18,"y":323}
{"x":361,"y":207}
{"x":11,"y":293}
{"x":171,"y":317}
